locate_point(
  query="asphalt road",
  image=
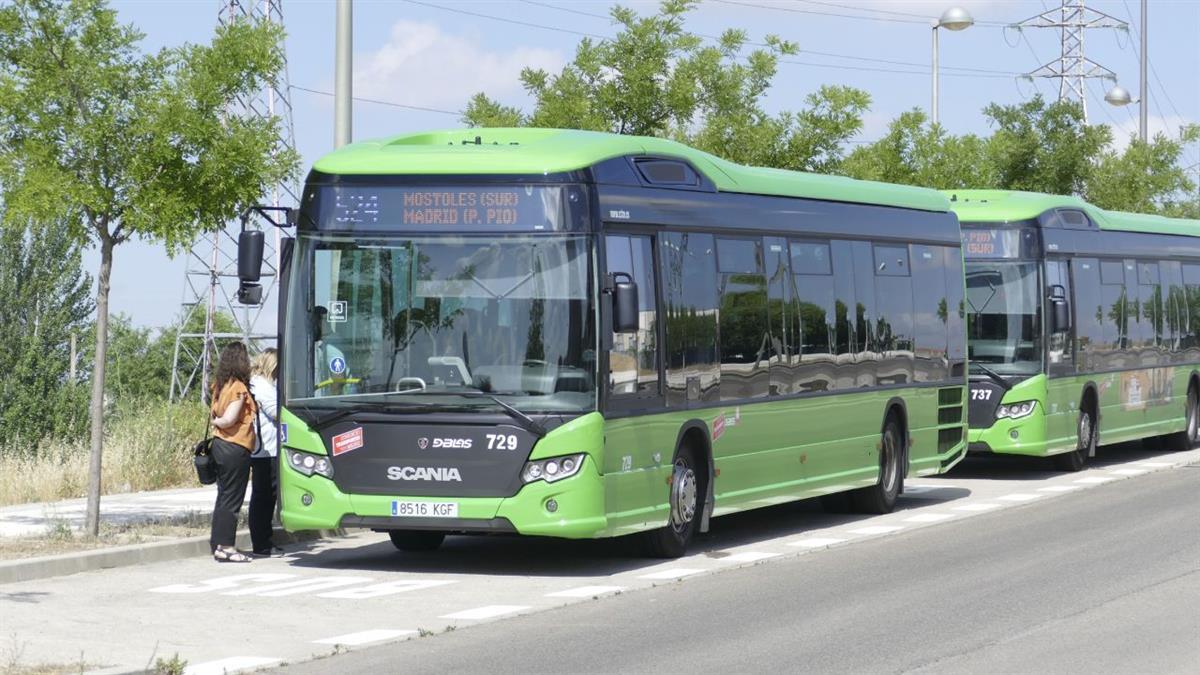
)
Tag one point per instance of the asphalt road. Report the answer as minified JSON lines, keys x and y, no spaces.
{"x":1079,"y":584}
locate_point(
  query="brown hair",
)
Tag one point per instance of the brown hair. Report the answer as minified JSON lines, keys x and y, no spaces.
{"x":266,"y":364}
{"x":234,"y":364}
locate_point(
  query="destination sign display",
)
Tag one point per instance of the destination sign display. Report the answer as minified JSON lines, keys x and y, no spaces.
{"x":991,"y":243}
{"x":526,"y":208}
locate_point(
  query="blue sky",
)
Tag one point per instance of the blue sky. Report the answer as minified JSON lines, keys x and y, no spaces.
{"x":425,"y":54}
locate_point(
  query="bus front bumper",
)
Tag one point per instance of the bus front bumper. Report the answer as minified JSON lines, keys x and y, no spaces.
{"x":1024,"y":436}
{"x":572,"y":508}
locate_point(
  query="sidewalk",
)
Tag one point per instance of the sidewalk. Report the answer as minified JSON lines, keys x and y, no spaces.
{"x":23,"y":520}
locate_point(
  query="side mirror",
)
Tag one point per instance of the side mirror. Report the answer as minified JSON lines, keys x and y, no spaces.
{"x":250,"y":255}
{"x":625,"y":303}
{"x":250,"y":258}
{"x":1060,"y":316}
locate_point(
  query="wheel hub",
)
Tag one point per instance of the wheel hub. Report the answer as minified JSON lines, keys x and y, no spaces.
{"x":683,"y":496}
{"x":889,"y":463}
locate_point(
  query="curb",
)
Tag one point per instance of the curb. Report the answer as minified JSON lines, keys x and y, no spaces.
{"x":44,"y":567}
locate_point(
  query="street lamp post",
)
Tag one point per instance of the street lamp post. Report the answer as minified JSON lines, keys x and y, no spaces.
{"x":955,"y":19}
{"x":1119,"y":96}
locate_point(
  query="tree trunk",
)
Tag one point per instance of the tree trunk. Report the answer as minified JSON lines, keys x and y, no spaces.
{"x":97,"y":402}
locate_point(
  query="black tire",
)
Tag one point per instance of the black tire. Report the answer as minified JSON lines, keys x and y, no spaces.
{"x":685,"y":497}
{"x":412,"y":541}
{"x":881,"y":497}
{"x":1190,"y":436}
{"x":1085,"y":430}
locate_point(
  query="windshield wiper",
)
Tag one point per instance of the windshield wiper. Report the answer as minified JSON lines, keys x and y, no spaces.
{"x":371,"y":406}
{"x":528,"y":423}
{"x":993,"y":375}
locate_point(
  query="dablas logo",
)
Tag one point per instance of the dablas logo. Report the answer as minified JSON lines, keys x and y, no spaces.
{"x":438,"y":474}
{"x":459,"y":443}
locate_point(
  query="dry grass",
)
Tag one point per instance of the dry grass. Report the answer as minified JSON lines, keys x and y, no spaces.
{"x":146,"y":448}
{"x":60,"y":538}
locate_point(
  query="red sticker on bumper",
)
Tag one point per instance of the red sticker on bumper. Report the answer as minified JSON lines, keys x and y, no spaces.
{"x":718,"y":426}
{"x":345,"y":442}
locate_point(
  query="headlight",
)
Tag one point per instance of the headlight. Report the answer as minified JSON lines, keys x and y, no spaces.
{"x":1015,"y":410}
{"x":309,"y":464}
{"x":551,"y":469}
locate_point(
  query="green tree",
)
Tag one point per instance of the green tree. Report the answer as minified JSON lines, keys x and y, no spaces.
{"x":1145,"y":177}
{"x":121,"y":144}
{"x":913,"y":152}
{"x":1043,"y":147}
{"x":44,"y":301}
{"x":654,"y":78}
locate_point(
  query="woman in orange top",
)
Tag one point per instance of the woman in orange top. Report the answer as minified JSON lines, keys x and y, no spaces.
{"x":233,"y":413}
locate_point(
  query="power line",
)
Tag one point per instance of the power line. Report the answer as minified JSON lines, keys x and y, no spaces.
{"x":887,"y":11}
{"x":835,"y":55}
{"x":515,"y":22}
{"x":377,"y":101}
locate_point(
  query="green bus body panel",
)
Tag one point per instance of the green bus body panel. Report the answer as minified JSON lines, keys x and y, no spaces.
{"x":769,"y":453}
{"x":1007,"y":206}
{"x":547,"y":151}
{"x":1051,"y":429}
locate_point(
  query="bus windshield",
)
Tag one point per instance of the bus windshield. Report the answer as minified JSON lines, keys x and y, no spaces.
{"x":1004,"y":317}
{"x":442,"y":322}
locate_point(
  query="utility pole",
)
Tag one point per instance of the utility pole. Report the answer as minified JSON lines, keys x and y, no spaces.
{"x":343,"y":86}
{"x":1143,"y":59}
{"x":1072,"y":68}
{"x":210,"y":276}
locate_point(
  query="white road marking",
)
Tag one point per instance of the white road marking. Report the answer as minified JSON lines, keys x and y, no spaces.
{"x":877,"y":529}
{"x":917,"y":489}
{"x":585,"y":591}
{"x":1019,"y":497}
{"x":232,"y":664}
{"x":299,"y":587}
{"x":928,"y":518}
{"x":384,"y":589}
{"x":1095,"y":480}
{"x":1156,"y":465}
{"x":221,"y":583}
{"x":1129,"y":472}
{"x":486,"y":612}
{"x":981,"y":506}
{"x":671,"y":574}
{"x":748,"y":556}
{"x":364,"y":637}
{"x":1059,"y":488}
{"x":815,"y":542}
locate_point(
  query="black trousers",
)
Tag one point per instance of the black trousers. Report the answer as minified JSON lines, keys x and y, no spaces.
{"x":233,"y":472}
{"x":264,"y":483}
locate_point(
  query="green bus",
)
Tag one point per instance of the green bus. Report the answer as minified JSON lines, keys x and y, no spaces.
{"x":580,"y":335}
{"x":1083,"y":325}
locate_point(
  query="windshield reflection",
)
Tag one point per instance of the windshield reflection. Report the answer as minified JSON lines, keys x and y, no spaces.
{"x":1004,"y":317}
{"x":443,"y":322}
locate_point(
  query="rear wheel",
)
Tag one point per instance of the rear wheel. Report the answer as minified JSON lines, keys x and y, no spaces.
{"x":684,"y":498}
{"x":1086,"y":445}
{"x":1190,"y":436}
{"x":416,"y":540}
{"x":881,"y":497}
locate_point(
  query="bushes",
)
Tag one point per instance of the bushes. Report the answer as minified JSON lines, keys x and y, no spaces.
{"x":147,"y":447}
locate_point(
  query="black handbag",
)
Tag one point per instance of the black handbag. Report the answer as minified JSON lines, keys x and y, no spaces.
{"x":206,"y":466}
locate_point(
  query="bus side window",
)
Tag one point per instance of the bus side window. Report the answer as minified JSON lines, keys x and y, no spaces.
{"x":1061,"y":344}
{"x":633,"y":360}
{"x":1089,"y":313}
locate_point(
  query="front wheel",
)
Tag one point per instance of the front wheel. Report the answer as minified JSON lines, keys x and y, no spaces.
{"x":1086,"y":445}
{"x":416,"y":540}
{"x":684,"y":498}
{"x":881,"y":497}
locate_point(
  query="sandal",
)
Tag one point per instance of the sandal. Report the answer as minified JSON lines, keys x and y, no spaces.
{"x":224,"y":555}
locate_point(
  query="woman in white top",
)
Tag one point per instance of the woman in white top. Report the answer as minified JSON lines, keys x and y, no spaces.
{"x":264,"y":481}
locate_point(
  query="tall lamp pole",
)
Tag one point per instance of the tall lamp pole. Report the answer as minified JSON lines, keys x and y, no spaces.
{"x":342,"y":83}
{"x":955,"y":19}
{"x":1120,"y":96}
{"x":1143,"y":58}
